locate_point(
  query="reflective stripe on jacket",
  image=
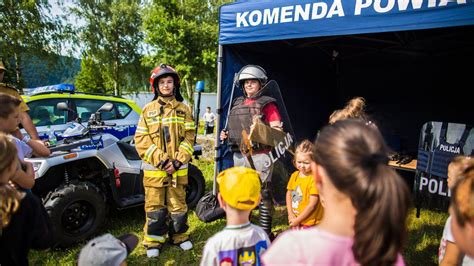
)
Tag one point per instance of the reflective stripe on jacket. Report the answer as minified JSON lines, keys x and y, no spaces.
{"x":165,"y":131}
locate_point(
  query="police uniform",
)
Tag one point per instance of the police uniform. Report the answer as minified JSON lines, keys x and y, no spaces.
{"x":165,"y":133}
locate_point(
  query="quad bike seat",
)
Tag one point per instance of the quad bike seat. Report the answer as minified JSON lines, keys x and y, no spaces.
{"x":128,"y":151}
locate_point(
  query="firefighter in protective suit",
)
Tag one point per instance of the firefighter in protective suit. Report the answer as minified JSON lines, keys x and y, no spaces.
{"x":244,"y":110}
{"x":164,"y":140}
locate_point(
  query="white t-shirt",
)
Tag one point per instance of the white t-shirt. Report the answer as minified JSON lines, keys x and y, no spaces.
{"x":448,"y":236}
{"x":24,"y":151}
{"x":209,"y":118}
{"x":237,"y":245}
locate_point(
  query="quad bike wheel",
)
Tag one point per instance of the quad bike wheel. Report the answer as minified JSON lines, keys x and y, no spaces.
{"x":195,"y":187}
{"x":76,"y":210}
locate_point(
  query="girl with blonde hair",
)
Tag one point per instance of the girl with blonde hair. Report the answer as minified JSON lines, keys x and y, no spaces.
{"x":24,"y":221}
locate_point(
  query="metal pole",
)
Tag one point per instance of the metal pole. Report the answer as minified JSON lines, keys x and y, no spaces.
{"x":218,"y":120}
{"x":197,"y":115}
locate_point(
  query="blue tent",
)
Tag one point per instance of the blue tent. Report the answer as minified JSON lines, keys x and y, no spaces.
{"x":395,"y":53}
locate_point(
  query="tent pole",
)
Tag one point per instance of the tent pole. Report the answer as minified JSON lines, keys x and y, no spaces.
{"x":219,"y":110}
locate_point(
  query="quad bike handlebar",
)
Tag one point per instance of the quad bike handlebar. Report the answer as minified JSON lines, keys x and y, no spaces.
{"x":78,"y":135}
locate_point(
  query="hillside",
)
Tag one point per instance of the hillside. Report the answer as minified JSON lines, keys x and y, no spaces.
{"x":37,"y":71}
{"x":61,"y":69}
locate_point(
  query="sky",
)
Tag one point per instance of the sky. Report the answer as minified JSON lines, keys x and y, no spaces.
{"x":56,"y":10}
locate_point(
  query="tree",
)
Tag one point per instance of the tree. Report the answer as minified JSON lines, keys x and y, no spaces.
{"x":183,"y":34}
{"x":26,"y":29}
{"x":89,"y":79}
{"x":111,"y":35}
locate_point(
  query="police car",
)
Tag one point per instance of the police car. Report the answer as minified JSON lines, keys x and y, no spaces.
{"x":43,"y":101}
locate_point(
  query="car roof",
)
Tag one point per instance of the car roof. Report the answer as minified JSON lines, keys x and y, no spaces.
{"x":80,"y":95}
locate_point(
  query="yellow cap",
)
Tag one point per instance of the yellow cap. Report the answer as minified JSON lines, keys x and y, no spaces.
{"x":240,"y":187}
{"x":2,"y":66}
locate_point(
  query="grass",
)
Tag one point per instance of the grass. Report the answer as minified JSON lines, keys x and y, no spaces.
{"x":421,"y":249}
{"x":424,"y":234}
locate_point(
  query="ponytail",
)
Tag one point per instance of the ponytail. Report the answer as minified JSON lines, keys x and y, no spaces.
{"x":379,"y":229}
{"x":354,"y":156}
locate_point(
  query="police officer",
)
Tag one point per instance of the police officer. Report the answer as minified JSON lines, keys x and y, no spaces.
{"x":244,"y":109}
{"x":164,"y":140}
{"x":25,"y":119}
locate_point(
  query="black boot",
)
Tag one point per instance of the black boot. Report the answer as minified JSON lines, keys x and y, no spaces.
{"x":266,"y":211}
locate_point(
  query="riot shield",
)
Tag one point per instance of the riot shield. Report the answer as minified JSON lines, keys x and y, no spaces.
{"x":272,"y":89}
{"x":439,"y":143}
{"x":282,"y":143}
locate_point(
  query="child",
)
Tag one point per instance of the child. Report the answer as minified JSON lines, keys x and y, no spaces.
{"x":240,"y":242}
{"x":462,"y":213}
{"x":24,"y":223}
{"x":209,"y":118}
{"x":366,"y":204}
{"x":302,"y":199}
{"x":10,"y":114}
{"x":9,"y":120}
{"x":449,"y":253}
{"x":164,"y":140}
{"x":107,"y":250}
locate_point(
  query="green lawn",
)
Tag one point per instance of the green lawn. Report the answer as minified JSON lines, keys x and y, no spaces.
{"x":421,"y":249}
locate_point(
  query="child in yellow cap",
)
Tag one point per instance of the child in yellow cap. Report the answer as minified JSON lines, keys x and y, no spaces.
{"x":240,"y":242}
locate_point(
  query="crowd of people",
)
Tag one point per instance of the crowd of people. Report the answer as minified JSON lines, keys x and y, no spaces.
{"x":345,"y":204}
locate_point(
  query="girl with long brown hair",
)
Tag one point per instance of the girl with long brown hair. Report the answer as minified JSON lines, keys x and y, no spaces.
{"x":366,"y":203}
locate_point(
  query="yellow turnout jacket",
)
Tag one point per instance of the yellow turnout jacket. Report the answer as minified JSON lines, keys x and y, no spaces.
{"x":165,"y":131}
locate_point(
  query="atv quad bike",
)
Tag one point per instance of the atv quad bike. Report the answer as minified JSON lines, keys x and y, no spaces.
{"x":89,"y":172}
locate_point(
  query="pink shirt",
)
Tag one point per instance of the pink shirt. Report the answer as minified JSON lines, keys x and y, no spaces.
{"x":312,"y":247}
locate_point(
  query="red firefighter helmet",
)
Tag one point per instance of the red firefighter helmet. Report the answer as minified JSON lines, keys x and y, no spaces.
{"x":161,"y":71}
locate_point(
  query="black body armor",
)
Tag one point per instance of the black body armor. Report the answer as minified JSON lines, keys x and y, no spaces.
{"x":241,"y":117}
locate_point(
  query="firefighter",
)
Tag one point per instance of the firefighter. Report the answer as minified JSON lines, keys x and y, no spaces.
{"x":244,"y":109}
{"x":164,"y":140}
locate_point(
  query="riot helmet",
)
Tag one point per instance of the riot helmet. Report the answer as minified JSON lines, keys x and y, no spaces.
{"x":252,"y":72}
{"x":161,"y":71}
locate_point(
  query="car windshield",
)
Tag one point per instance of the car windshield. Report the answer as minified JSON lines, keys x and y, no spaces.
{"x":85,"y":107}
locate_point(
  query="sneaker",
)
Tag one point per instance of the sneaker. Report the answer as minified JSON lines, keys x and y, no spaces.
{"x":186,"y":245}
{"x":152,"y":252}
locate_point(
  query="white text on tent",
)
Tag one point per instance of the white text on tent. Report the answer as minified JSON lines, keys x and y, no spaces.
{"x":287,"y":14}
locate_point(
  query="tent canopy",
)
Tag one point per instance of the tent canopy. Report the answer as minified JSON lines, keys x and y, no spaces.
{"x":398,"y":54}
{"x":254,"y":21}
